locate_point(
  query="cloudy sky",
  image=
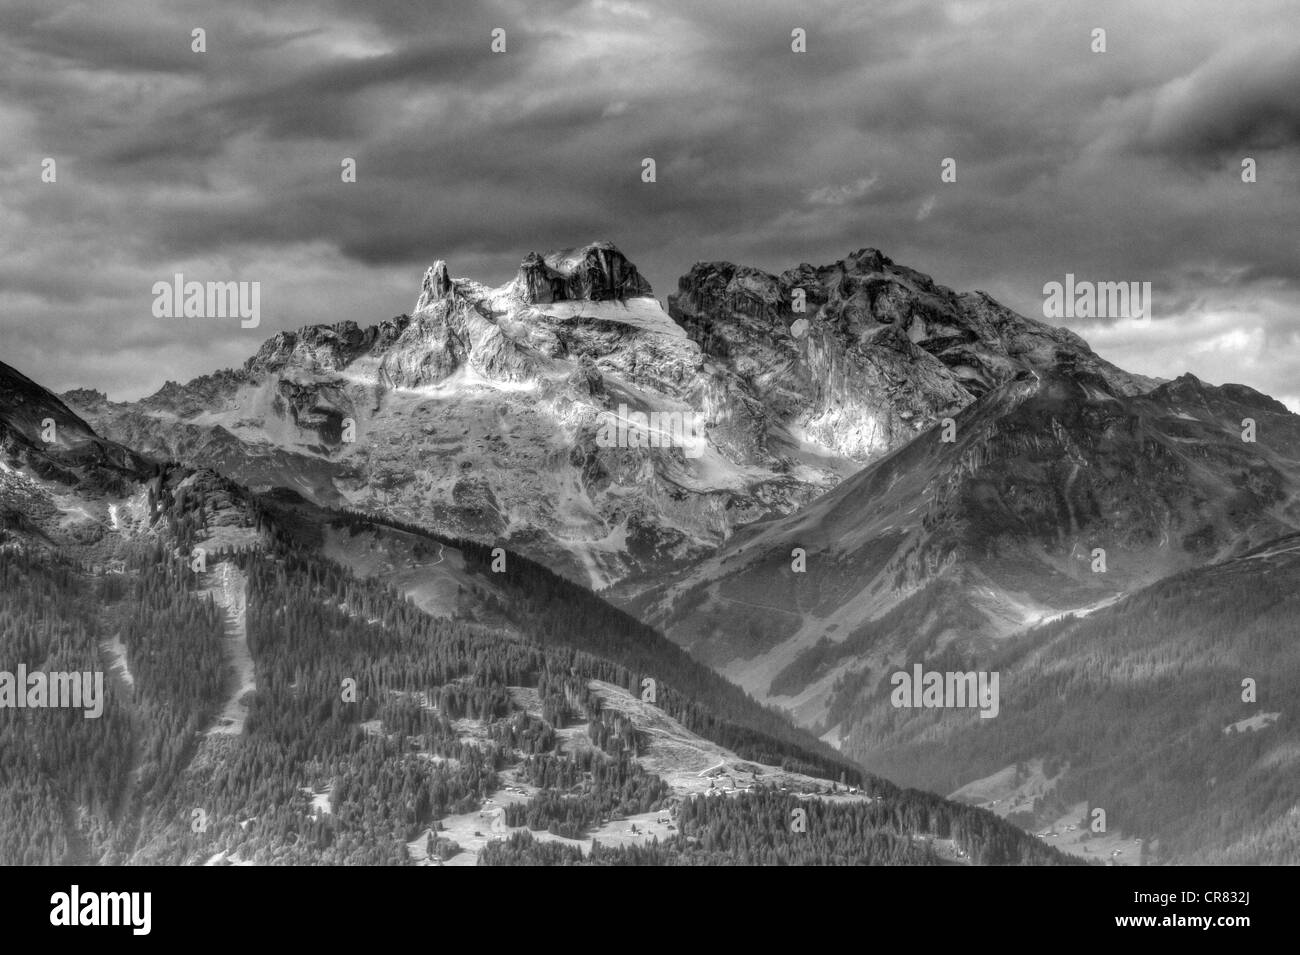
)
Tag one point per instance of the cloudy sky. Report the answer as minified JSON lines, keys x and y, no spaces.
{"x":225,"y":165}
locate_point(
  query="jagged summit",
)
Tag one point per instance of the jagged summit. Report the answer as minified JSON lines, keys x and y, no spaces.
{"x":865,"y":300}
{"x":596,"y":272}
{"x":85,"y":397}
{"x":437,"y":285}
{"x":323,"y":346}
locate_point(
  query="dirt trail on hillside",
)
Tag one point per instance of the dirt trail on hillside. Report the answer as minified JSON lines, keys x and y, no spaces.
{"x":228,"y":588}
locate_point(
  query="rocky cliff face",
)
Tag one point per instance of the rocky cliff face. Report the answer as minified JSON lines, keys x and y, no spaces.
{"x":595,"y":273}
{"x":861,"y":355}
{"x":488,"y":411}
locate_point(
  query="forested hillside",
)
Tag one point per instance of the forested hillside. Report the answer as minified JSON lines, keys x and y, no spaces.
{"x":370,"y":720}
{"x":557,"y":612}
{"x":755,"y":830}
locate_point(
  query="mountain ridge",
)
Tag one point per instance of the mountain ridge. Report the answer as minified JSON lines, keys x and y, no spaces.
{"x":1040,"y":472}
{"x":481,"y":410}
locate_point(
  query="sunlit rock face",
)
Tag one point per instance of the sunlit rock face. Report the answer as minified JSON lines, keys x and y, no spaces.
{"x":486,"y":411}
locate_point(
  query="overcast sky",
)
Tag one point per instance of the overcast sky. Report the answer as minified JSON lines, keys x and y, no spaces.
{"x":225,"y":165}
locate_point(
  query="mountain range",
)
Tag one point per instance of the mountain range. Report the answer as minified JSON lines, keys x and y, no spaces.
{"x":890,"y":474}
{"x":290,"y":684}
{"x":480,"y":412}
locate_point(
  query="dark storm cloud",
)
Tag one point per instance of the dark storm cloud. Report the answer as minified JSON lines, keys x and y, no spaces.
{"x":328,"y":102}
{"x":1115,"y":166}
{"x":1244,"y":97}
{"x":86,"y":38}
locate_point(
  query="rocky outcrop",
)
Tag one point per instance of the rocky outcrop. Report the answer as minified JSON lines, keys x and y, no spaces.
{"x":598,"y":272}
{"x":437,"y":285}
{"x":322,"y":347}
{"x":537,"y":282}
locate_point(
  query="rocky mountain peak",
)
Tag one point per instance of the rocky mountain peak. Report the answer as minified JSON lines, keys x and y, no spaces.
{"x":1189,"y":389}
{"x":536,"y":282}
{"x":868,"y":260}
{"x":437,"y":285}
{"x":597,"y":272}
{"x":85,"y":397}
{"x":864,"y":303}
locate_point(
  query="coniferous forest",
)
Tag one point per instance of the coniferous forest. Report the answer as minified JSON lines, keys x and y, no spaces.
{"x":391,"y":717}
